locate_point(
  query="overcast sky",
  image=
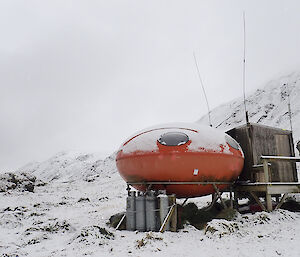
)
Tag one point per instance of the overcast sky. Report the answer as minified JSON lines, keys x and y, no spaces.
{"x":85,"y":75}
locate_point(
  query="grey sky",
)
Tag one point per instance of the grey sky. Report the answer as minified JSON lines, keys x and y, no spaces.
{"x":85,"y":75}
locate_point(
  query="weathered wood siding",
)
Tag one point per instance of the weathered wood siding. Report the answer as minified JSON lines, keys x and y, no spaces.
{"x":241,"y":135}
{"x":257,"y":140}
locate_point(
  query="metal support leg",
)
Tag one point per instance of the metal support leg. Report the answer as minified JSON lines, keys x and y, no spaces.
{"x":231,"y":200}
{"x":213,"y":201}
{"x":184,"y":202}
{"x":220,"y":197}
{"x":128,"y":189}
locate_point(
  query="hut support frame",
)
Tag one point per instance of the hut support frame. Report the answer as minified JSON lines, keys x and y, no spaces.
{"x":219,"y":196}
{"x":270,"y":188}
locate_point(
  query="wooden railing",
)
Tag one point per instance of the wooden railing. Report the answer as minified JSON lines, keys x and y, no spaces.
{"x":266,"y":160}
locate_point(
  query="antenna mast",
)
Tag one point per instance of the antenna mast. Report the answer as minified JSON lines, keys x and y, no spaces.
{"x":244,"y":70}
{"x":201,"y":82}
{"x":289,"y":106}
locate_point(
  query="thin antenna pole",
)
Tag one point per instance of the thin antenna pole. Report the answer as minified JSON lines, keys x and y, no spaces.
{"x":244,"y":69}
{"x":289,"y":107}
{"x":201,"y":82}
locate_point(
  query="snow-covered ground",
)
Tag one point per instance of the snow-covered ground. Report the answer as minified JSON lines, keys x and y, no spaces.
{"x":75,"y":194}
{"x":68,"y":217}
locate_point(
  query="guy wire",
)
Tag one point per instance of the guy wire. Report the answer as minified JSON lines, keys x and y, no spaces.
{"x":201,"y":82}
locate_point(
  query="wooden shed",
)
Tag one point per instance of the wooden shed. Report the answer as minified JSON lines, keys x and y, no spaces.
{"x":257,"y":140}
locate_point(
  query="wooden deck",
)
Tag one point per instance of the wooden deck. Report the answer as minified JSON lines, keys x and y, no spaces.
{"x":269,"y":188}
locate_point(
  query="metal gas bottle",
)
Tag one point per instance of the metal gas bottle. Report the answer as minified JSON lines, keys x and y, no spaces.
{"x":140,"y":203}
{"x":130,"y":211}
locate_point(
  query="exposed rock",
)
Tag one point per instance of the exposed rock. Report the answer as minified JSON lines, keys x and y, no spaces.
{"x":291,"y":205}
{"x":19,"y":181}
{"x":197,"y":217}
{"x":92,"y":235}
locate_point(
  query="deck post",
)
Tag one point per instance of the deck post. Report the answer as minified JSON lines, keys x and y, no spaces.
{"x":173,"y":219}
{"x":268,"y":196}
{"x":266,"y":170}
{"x":269,"y":202}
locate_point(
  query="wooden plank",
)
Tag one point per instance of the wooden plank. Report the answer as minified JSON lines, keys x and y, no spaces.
{"x":285,"y":169}
{"x":258,"y":201}
{"x":263,"y":142}
{"x":243,"y":136}
{"x":269,"y":202}
{"x":167,"y":218}
{"x":121,"y":221}
{"x":293,"y":154}
{"x":270,"y":188}
{"x":266,"y":170}
{"x":257,"y":140}
{"x":281,"y":189}
{"x":281,"y":201}
{"x":259,"y":166}
{"x":258,"y":173}
{"x":280,"y":158}
{"x":173,"y":221}
{"x":249,"y":188}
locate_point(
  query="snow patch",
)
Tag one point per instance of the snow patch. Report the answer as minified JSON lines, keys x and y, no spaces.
{"x":202,"y":138}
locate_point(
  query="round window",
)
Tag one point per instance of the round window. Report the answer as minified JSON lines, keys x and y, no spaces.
{"x":173,"y":139}
{"x":232,"y":142}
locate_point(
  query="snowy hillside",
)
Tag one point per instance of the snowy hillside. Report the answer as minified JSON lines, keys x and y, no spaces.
{"x":267,"y":105}
{"x":71,"y":166}
{"x":67,"y":215}
{"x":61,"y":206}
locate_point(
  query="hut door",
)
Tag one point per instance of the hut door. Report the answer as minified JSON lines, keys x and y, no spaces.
{"x":285,"y":169}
